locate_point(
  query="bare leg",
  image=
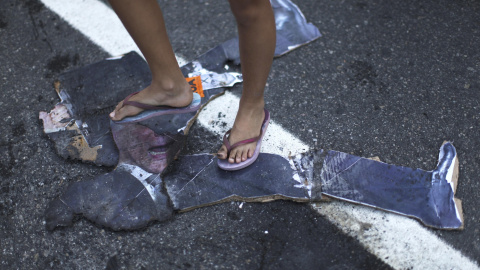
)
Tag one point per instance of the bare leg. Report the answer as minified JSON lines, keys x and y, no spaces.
{"x":144,"y":21}
{"x":256,"y":31}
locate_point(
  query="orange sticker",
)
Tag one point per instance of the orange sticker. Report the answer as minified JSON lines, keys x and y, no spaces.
{"x":196,"y":85}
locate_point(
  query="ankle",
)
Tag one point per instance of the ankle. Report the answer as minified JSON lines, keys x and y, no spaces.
{"x":252,"y":105}
{"x":169,"y":86}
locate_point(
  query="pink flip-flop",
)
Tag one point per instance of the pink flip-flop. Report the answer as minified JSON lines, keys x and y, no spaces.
{"x":151,"y":111}
{"x":225,"y":165}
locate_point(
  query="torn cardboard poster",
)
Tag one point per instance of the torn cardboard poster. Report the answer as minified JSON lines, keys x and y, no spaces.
{"x":140,"y":190}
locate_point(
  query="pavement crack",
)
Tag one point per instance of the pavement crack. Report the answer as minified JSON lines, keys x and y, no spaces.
{"x":35,"y":30}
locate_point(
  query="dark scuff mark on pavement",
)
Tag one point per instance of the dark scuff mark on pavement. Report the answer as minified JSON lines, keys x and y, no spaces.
{"x":60,"y":62}
{"x":34,"y":6}
{"x":3,"y":22}
{"x":112,"y":263}
{"x":362,"y":73}
{"x":7,"y":160}
{"x":6,"y":203}
{"x":18,"y":130}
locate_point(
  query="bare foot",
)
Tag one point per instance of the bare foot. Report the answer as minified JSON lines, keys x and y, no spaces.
{"x":248,"y":124}
{"x":157,"y":96}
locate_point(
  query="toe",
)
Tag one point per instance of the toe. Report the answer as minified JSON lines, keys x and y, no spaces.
{"x":238,"y":156}
{"x":114,"y":115}
{"x":119,"y":106}
{"x":250,"y":152}
{"x":245,"y":154}
{"x":125,"y":111}
{"x":120,"y":113}
{"x":232,"y":156}
{"x":252,"y":149}
{"x":222,"y":153}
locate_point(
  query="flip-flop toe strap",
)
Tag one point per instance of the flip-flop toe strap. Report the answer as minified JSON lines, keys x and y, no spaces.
{"x":226,"y":142}
{"x":231,"y":147}
{"x":247,"y":141}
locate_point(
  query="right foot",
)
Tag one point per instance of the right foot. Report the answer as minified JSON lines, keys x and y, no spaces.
{"x":157,"y":96}
{"x":248,"y":124}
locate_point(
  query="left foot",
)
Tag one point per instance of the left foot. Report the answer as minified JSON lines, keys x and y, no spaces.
{"x":248,"y":124}
{"x":179,"y":95}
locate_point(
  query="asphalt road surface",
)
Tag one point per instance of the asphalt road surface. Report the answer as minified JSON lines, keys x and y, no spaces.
{"x":387,"y":79}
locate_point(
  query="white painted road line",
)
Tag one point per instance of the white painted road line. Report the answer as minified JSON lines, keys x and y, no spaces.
{"x":97,"y":22}
{"x":398,"y":241}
